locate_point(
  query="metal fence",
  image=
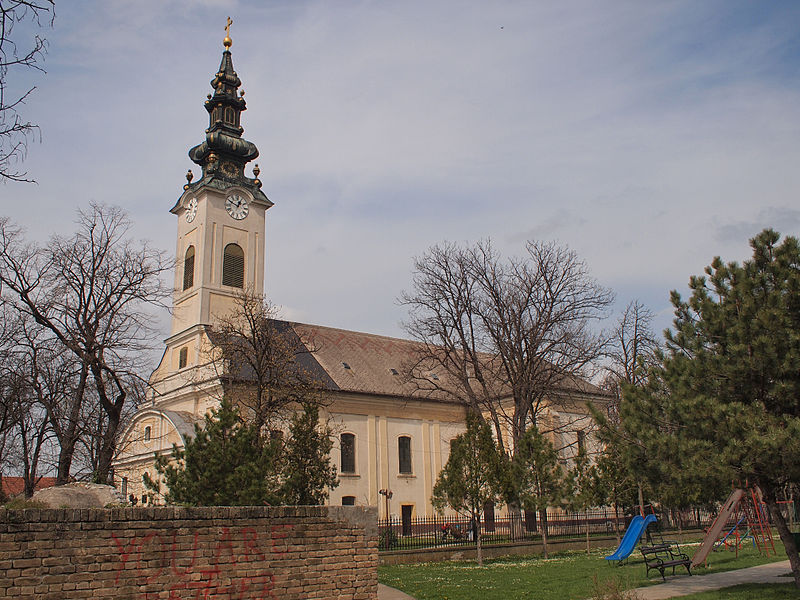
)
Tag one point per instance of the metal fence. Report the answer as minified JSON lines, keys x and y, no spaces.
{"x":438,"y":531}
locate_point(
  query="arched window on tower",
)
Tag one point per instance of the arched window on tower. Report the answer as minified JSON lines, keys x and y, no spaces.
{"x":188,"y":268}
{"x":233,"y":266}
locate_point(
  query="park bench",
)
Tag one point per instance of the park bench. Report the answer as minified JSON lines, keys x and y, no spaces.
{"x":661,"y":557}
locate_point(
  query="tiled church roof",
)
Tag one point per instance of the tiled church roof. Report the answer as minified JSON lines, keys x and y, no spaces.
{"x":376,"y":364}
{"x":360,"y":362}
{"x":353,"y":361}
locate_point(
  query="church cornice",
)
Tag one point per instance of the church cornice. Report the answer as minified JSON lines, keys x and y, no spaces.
{"x":223,"y":186}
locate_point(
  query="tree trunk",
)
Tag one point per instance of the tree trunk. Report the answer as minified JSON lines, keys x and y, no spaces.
{"x":27,"y":477}
{"x":31,"y":459}
{"x":616,"y":522}
{"x":108,"y":437}
{"x":543,"y":521}
{"x":641,"y":499}
{"x":476,"y":518}
{"x":106,"y":455}
{"x":787,"y":537}
{"x":587,"y":530}
{"x":516,"y":528}
{"x":69,"y":436}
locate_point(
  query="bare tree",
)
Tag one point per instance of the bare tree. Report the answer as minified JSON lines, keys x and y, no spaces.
{"x":633,"y":345}
{"x":511,"y":336}
{"x":14,"y":129}
{"x":31,"y":431}
{"x":264,"y":361}
{"x":633,"y":349}
{"x":39,"y":377}
{"x":25,"y":388}
{"x":9,"y":327}
{"x":91,"y":292}
{"x":93,"y":424}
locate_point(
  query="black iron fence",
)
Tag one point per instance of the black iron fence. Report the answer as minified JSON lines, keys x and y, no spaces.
{"x":431,"y":532}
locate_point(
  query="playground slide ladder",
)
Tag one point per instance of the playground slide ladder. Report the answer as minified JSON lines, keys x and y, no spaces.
{"x":749,"y":501}
{"x":757,"y":521}
{"x":717,"y":526}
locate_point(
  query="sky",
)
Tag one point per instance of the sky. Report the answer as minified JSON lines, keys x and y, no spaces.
{"x":648,"y":137}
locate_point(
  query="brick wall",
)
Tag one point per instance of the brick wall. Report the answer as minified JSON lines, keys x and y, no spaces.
{"x":177,"y":553}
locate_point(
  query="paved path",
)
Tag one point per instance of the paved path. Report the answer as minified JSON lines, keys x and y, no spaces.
{"x":389,"y":593}
{"x":684,"y":585}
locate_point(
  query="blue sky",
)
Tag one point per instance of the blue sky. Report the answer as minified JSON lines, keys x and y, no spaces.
{"x":648,"y":137}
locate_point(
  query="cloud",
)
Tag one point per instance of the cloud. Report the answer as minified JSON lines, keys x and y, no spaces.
{"x":779,"y":218}
{"x":547,"y":227}
{"x":647,"y":137}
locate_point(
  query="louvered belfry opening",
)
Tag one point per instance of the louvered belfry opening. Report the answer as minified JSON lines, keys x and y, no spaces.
{"x":233,"y":266}
{"x":188,"y":268}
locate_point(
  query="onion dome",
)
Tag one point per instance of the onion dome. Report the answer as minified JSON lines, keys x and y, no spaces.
{"x":224,"y":153}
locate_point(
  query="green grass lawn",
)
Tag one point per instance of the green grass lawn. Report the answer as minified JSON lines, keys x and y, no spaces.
{"x":565,"y":576}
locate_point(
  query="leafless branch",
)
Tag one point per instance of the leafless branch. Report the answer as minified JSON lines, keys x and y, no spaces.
{"x":14,"y":130}
{"x":506,"y":336}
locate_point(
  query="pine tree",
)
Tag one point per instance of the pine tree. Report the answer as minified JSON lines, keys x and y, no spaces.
{"x":222,"y":465}
{"x":581,"y":492}
{"x":622,"y":472}
{"x":307,"y":472}
{"x":474,"y":475}
{"x":539,"y":477}
{"x":614,"y":483}
{"x":723,"y":404}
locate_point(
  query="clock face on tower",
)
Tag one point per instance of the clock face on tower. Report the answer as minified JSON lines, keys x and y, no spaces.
{"x":191,"y":210}
{"x":236,"y":206}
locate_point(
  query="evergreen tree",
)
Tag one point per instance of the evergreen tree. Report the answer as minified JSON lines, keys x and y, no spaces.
{"x":222,"y":465}
{"x":613,"y":482}
{"x":581,"y":493}
{"x":540,"y":479}
{"x":633,"y":350}
{"x":723,"y":404}
{"x":307,"y":471}
{"x":474,"y":475}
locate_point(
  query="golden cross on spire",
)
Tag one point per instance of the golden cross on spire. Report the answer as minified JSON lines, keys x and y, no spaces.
{"x":228,"y":42}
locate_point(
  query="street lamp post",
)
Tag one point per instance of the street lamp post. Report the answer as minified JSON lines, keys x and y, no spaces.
{"x":387,"y":494}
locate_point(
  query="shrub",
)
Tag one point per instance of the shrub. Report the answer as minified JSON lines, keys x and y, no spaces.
{"x":612,"y":589}
{"x":387,"y":539}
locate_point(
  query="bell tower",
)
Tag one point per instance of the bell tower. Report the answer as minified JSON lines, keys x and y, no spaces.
{"x":220,"y":245}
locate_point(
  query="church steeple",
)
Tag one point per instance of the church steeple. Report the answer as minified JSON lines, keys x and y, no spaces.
{"x":221,"y":217}
{"x":224,"y":153}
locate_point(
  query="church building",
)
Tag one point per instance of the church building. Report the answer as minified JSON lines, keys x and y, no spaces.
{"x":390,"y":442}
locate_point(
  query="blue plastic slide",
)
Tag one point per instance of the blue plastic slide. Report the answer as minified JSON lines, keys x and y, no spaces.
{"x":631,"y":537}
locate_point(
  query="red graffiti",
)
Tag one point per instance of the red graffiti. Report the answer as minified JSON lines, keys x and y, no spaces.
{"x":148,"y":557}
{"x":276,"y":535}
{"x":124,"y":554}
